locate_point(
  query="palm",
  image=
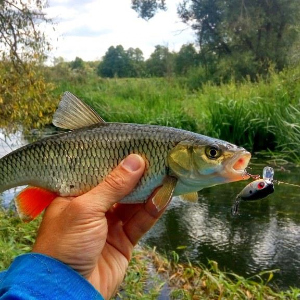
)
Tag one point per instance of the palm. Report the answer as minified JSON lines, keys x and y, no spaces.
{"x":94,"y":235}
{"x":100,"y":247}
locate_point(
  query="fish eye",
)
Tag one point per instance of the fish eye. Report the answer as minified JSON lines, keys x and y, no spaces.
{"x":213,"y":152}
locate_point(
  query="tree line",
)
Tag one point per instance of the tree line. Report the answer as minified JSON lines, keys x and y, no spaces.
{"x":121,"y":63}
{"x":245,"y":37}
{"x":235,"y":39}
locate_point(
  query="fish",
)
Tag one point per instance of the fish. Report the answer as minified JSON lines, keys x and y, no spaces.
{"x":178,"y":162}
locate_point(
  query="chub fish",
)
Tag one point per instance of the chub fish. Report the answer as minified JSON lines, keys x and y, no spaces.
{"x":178,"y":162}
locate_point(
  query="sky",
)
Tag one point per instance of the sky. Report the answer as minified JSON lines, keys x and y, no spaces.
{"x":88,"y":28}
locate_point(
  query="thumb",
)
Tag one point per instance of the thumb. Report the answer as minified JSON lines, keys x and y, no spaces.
{"x":119,"y":183}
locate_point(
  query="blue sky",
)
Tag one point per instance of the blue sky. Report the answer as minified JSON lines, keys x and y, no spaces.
{"x":88,"y":28}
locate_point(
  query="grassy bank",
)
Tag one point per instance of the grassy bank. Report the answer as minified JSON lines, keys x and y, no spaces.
{"x":261,"y":116}
{"x":151,"y":274}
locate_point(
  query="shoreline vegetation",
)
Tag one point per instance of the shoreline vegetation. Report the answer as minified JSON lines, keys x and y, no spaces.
{"x":151,"y":274}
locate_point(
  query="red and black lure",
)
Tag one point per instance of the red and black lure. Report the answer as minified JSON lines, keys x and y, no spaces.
{"x":256,"y":190}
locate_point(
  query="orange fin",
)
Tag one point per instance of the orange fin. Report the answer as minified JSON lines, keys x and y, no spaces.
{"x":32,"y":201}
{"x":165,"y":193}
{"x":192,"y":197}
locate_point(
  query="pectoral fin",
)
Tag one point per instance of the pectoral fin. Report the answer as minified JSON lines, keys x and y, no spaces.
{"x":72,"y":113}
{"x":165,"y":193}
{"x":191,"y":197}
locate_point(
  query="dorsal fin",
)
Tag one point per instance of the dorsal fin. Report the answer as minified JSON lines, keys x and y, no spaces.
{"x":72,"y":113}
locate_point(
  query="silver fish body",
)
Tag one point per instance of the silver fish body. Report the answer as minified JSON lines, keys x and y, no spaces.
{"x":72,"y":163}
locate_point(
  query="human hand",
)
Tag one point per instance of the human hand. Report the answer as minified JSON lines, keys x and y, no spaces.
{"x":94,"y":235}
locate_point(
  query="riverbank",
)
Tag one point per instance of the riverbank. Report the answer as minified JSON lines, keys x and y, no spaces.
{"x":151,"y":275}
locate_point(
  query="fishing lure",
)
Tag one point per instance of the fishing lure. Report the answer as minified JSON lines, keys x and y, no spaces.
{"x":256,"y":190}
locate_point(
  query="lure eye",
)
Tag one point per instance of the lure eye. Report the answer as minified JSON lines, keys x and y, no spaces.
{"x":261,"y":185}
{"x":213,"y":152}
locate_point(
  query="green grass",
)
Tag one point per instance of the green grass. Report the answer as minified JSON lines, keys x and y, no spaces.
{"x":262,"y":115}
{"x":152,"y":101}
{"x":15,"y":237}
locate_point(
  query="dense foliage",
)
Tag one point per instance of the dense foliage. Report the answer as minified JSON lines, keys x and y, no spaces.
{"x":24,"y":94}
{"x":21,"y":38}
{"x":239,"y":37}
{"x":25,"y":97}
{"x":118,"y":62}
{"x":148,"y":8}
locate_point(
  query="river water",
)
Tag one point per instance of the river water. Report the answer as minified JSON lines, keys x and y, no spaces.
{"x":264,"y":236}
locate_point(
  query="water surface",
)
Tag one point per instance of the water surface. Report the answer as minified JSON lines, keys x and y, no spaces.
{"x":264,"y":236}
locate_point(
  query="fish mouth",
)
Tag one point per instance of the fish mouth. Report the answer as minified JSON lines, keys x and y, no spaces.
{"x":237,"y":166}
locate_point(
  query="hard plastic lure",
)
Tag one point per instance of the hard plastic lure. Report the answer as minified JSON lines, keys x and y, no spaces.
{"x":256,"y":190}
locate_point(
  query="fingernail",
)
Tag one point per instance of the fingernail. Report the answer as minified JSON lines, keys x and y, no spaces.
{"x":133,"y":162}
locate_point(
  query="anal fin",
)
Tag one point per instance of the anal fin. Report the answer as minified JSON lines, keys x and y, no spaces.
{"x":164,"y":193}
{"x":31,"y":201}
{"x":191,"y":197}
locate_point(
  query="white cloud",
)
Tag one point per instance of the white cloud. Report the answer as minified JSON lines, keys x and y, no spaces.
{"x":88,"y":28}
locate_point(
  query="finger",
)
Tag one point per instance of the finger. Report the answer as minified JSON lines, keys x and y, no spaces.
{"x":142,"y":221}
{"x":126,"y":211}
{"x":119,"y":183}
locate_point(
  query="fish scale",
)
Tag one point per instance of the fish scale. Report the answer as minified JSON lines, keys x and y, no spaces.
{"x":72,"y":163}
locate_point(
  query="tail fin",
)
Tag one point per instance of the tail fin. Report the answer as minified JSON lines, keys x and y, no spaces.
{"x":32,"y":201}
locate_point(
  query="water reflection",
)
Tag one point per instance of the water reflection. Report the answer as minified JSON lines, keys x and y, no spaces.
{"x":264,"y":236}
{"x":9,"y":143}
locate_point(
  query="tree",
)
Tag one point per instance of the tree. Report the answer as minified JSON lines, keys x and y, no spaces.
{"x":114,"y":63}
{"x":147,"y":8}
{"x":186,"y":59}
{"x":136,"y":62}
{"x":118,"y":62}
{"x":161,"y":62}
{"x":263,"y":29}
{"x":77,"y":63}
{"x":24,"y":95}
{"x":260,"y":33}
{"x":21,"y":38}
